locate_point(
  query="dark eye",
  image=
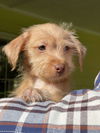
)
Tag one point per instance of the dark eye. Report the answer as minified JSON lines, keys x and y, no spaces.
{"x":66,"y":48}
{"x":42,"y":47}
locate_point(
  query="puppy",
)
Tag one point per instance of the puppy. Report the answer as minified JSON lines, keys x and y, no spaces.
{"x":47,"y":59}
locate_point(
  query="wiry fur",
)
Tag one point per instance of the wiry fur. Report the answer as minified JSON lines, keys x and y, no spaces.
{"x":40,"y":79}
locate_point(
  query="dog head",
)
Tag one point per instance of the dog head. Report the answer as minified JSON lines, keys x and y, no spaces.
{"x":48,"y":51}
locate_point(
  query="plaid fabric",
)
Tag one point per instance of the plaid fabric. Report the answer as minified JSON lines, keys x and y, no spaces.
{"x":78,"y":112}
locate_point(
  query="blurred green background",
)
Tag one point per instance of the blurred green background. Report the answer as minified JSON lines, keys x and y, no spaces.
{"x":85,"y":16}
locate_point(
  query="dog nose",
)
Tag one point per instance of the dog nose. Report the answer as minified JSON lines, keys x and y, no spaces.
{"x":60,"y":68}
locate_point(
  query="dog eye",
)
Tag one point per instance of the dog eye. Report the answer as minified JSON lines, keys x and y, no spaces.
{"x":66,"y":48}
{"x":42,"y":47}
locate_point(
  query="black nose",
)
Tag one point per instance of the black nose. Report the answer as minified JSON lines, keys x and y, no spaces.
{"x":60,"y":68}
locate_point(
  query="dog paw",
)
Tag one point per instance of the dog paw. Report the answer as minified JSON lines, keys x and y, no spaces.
{"x":34,"y":95}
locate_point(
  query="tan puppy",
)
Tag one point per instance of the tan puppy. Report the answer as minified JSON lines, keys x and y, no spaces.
{"x":47,"y":53}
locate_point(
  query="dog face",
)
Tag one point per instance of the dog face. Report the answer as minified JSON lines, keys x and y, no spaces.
{"x":48,"y":51}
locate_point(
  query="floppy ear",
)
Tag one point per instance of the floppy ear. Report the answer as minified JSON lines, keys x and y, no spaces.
{"x":80,"y":50}
{"x":13,"y":49}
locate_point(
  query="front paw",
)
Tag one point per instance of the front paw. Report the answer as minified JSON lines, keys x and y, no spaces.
{"x":34,"y":95}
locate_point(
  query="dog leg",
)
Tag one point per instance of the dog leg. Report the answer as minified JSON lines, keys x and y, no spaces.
{"x":35,"y":95}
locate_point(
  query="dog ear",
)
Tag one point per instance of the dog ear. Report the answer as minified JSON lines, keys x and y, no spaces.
{"x":80,"y":50}
{"x":13,"y":49}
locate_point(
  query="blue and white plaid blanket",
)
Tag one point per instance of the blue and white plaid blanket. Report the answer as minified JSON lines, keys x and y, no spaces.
{"x":78,"y":112}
